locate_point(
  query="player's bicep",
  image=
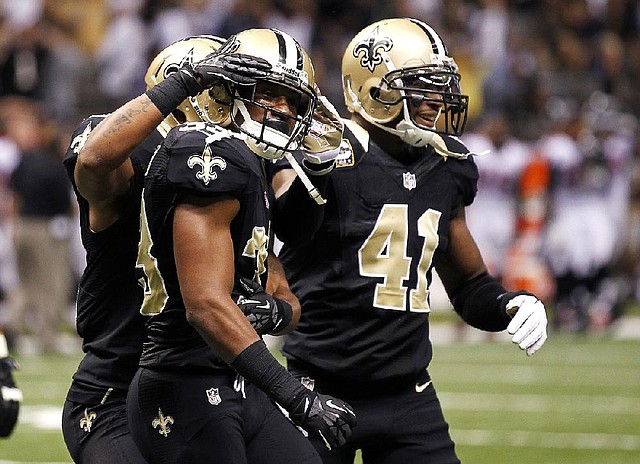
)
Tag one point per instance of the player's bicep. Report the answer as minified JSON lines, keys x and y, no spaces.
{"x":103,"y":192}
{"x":203,"y":246}
{"x":462,"y":259}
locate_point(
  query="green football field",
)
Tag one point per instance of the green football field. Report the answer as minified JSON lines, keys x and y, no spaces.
{"x":576,"y":401}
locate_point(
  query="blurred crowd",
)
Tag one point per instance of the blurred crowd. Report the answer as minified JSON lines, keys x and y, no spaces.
{"x":554,"y":94}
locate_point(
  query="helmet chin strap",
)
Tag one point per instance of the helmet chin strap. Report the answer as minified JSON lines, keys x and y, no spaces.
{"x":313,"y":191}
{"x":404,"y":130}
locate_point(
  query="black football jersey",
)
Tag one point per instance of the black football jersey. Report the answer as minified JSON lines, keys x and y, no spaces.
{"x":208,"y":161}
{"x":109,"y":297}
{"x":364,"y":280}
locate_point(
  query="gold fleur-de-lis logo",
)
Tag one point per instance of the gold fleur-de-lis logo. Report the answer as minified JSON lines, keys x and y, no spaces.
{"x":79,"y":140}
{"x":87,"y":421}
{"x":370,"y":48}
{"x":175,"y":67}
{"x":163,"y":422}
{"x":207,"y":162}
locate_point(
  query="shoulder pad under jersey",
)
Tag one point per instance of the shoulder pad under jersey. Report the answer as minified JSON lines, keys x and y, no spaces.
{"x":209,"y":160}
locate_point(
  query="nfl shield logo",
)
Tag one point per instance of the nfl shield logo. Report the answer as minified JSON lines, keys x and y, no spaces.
{"x":213,"y":396}
{"x":409,"y":180}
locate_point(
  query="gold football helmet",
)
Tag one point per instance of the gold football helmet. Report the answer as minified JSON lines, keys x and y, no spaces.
{"x":204,"y":106}
{"x":396,"y":62}
{"x":291,"y":74}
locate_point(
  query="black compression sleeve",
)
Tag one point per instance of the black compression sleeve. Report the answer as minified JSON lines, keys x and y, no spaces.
{"x":260,"y":368}
{"x":482,"y":301}
{"x":297,"y":217}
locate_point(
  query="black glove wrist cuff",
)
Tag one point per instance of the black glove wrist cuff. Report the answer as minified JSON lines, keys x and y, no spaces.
{"x":172,"y":91}
{"x":285,"y":315}
{"x":260,"y":368}
{"x":506,"y":297}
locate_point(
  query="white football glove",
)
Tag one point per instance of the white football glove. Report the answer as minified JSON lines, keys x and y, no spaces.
{"x":321,"y":145}
{"x":529,"y":323}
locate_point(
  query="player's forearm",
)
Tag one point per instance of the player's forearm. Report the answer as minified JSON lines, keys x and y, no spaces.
{"x":113,"y":140}
{"x":226,"y":329}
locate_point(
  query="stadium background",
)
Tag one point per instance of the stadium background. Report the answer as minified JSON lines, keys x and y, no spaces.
{"x":539,"y":62}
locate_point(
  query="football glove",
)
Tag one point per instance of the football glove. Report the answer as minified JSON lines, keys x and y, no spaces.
{"x":10,"y":397}
{"x":266,"y":313}
{"x":528,"y":325}
{"x":236,"y":68}
{"x":324,"y":417}
{"x":321,"y":145}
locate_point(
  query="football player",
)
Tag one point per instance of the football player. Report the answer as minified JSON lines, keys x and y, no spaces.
{"x":208,"y":388}
{"x":10,"y":394}
{"x":106,"y":161}
{"x":395,"y":211}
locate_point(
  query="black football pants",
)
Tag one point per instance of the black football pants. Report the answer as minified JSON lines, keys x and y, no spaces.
{"x":98,"y":434}
{"x":400,"y":427}
{"x":181,"y":418}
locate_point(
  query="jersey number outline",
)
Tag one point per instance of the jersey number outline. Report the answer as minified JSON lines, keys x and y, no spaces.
{"x":384,"y":255}
{"x":155,"y":292}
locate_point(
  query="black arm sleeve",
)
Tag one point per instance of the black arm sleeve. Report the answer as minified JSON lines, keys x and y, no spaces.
{"x":297,"y":217}
{"x":482,"y":301}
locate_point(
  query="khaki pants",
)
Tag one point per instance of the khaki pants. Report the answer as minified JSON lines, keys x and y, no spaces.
{"x":45,"y":275}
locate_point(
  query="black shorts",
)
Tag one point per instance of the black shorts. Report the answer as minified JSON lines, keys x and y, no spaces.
{"x":98,"y":433}
{"x":399,"y":426}
{"x":196,"y":418}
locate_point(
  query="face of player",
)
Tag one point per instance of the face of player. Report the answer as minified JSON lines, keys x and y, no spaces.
{"x":277,"y":105}
{"x":425,"y":104}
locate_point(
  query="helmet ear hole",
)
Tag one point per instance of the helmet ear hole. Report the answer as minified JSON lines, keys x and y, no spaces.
{"x":179,"y":115}
{"x":382,"y":104}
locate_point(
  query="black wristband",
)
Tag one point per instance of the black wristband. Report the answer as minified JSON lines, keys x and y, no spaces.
{"x":285,"y":315}
{"x":260,"y":368}
{"x":172,"y":91}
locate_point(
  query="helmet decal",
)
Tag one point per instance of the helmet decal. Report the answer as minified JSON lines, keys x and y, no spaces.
{"x":370,"y":47}
{"x":174,"y":67}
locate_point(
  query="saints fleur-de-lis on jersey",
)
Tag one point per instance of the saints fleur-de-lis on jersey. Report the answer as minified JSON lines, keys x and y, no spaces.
{"x":207,"y":162}
{"x":163,"y":422}
{"x":79,"y":140}
{"x":87,"y":421}
{"x":370,"y":49}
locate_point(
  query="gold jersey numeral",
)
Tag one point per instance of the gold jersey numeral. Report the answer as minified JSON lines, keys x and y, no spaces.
{"x":384,"y":255}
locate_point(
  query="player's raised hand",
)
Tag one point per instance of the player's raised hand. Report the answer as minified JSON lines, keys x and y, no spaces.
{"x":236,"y":68}
{"x":323,"y":416}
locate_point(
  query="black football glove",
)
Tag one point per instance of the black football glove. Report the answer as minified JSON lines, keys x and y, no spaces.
{"x":266,"y":313}
{"x":323,"y":416}
{"x":236,"y":68}
{"x":10,"y":397}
